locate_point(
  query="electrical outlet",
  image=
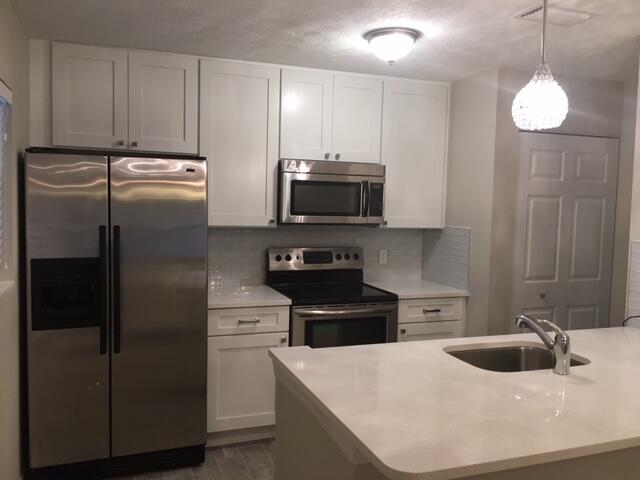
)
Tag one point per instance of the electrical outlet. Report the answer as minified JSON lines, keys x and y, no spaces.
{"x":383,"y":256}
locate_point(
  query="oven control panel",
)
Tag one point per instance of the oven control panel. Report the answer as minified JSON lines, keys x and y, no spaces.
{"x":318,"y":258}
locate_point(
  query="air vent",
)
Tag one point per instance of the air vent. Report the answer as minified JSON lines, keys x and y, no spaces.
{"x":556,"y":16}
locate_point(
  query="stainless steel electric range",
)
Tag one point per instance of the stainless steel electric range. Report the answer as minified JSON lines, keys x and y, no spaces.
{"x":331,"y":305}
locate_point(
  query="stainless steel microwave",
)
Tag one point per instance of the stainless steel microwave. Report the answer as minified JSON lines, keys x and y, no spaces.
{"x":328,"y":192}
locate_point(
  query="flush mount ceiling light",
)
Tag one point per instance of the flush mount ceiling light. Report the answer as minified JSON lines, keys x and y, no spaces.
{"x":391,"y":44}
{"x":542,"y":103}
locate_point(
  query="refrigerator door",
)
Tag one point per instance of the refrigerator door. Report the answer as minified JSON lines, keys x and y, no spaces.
{"x":66,"y":217}
{"x":159,"y":309}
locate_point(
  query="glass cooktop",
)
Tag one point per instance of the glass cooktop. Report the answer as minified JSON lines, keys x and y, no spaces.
{"x":334,"y":294}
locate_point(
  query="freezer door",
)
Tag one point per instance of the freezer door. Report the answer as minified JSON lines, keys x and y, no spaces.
{"x":159,"y":245}
{"x":66,"y":217}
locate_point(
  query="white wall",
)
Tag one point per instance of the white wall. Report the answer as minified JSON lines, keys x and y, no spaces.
{"x":14,"y":71}
{"x":470,"y":182}
{"x":621,"y":248}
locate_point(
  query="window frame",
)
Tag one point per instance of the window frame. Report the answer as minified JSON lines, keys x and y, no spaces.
{"x":5,"y":263}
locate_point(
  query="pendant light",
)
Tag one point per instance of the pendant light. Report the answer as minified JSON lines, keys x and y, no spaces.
{"x":542,"y":103}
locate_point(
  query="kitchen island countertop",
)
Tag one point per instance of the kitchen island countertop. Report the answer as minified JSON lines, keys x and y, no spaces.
{"x":415,"y":412}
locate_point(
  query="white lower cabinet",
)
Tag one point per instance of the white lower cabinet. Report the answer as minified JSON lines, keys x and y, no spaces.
{"x":240,"y":379}
{"x":431,"y":319}
{"x":430,"y":330}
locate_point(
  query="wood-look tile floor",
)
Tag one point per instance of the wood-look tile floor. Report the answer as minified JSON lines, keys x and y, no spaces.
{"x":243,"y":461}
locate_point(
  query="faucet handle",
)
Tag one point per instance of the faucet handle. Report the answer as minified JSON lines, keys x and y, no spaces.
{"x":556,"y":329}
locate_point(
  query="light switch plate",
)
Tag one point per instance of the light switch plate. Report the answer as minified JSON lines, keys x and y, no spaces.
{"x":383,"y":256}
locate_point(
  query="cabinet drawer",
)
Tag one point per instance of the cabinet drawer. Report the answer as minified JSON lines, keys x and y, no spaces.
{"x":431,"y":310}
{"x":430,"y":330}
{"x":233,"y":321}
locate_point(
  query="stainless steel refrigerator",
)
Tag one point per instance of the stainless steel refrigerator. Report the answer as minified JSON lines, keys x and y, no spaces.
{"x":115,"y":249}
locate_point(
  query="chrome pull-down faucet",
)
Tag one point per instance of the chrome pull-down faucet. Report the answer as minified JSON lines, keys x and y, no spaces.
{"x":560,"y":346}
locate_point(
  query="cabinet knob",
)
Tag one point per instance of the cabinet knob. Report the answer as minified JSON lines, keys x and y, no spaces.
{"x":118,"y":143}
{"x":283,"y":339}
{"x":543,"y":295}
{"x":327,"y":156}
{"x":337,"y":156}
{"x":272,"y":221}
{"x":133,"y":144}
{"x":403,"y":331}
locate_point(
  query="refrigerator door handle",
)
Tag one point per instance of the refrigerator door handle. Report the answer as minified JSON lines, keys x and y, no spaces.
{"x":102,"y":285}
{"x":116,"y":289}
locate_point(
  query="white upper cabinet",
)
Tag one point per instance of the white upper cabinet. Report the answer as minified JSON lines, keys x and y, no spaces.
{"x":239,"y":136}
{"x":89,"y":96}
{"x":115,"y":98}
{"x":306,"y":116}
{"x":357,"y":118}
{"x":330,"y":117}
{"x":163,"y":102}
{"x":414,"y":149}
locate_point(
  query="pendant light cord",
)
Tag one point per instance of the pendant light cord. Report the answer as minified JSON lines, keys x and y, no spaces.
{"x":543,"y":53}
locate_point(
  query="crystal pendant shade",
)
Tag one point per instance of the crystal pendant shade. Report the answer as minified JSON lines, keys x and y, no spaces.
{"x":541,"y":104}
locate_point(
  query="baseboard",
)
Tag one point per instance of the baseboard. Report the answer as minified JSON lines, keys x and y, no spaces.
{"x":117,"y":466}
{"x":218,"y":439}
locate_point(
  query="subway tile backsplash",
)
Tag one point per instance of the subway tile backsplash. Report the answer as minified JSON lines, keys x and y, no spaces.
{"x":446,"y":256}
{"x":238,"y":256}
{"x":633,"y":297}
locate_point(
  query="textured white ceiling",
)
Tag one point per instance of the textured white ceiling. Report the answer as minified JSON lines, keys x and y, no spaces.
{"x":474,"y":34}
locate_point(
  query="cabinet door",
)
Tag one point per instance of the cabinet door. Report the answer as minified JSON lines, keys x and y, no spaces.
{"x":408,"y":332}
{"x":239,"y":136}
{"x":357,"y":118}
{"x":307,"y":103}
{"x":163,"y":102}
{"x":241,"y":383}
{"x":414,"y":142}
{"x":89,"y":96}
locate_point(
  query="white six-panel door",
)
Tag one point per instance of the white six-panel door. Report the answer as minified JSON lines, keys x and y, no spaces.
{"x":357,"y":118}
{"x":239,"y":136}
{"x":307,"y":114}
{"x":163,"y":102}
{"x":414,"y":143}
{"x":89,"y":96}
{"x":564,"y":228}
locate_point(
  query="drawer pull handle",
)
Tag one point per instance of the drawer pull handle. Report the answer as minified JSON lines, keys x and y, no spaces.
{"x":431,"y":310}
{"x":255,"y":320}
{"x":283,"y":339}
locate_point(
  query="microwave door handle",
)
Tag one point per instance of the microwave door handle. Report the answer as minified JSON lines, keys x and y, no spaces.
{"x":365,"y":198}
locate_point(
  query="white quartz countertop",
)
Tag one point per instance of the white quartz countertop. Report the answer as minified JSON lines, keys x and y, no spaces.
{"x":245,"y":297}
{"x":416,"y":289}
{"x":416,"y":412}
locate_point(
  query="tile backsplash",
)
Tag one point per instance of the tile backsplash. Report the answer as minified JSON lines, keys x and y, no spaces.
{"x":446,"y":256}
{"x":238,"y":256}
{"x":633,"y":297}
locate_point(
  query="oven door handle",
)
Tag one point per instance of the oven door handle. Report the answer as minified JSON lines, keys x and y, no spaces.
{"x":311,"y":313}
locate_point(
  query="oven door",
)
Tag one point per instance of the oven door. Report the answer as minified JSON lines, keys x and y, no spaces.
{"x":342,"y":325}
{"x":323,"y":199}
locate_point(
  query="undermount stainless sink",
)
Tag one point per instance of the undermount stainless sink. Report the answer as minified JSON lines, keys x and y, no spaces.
{"x":509,"y":356}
